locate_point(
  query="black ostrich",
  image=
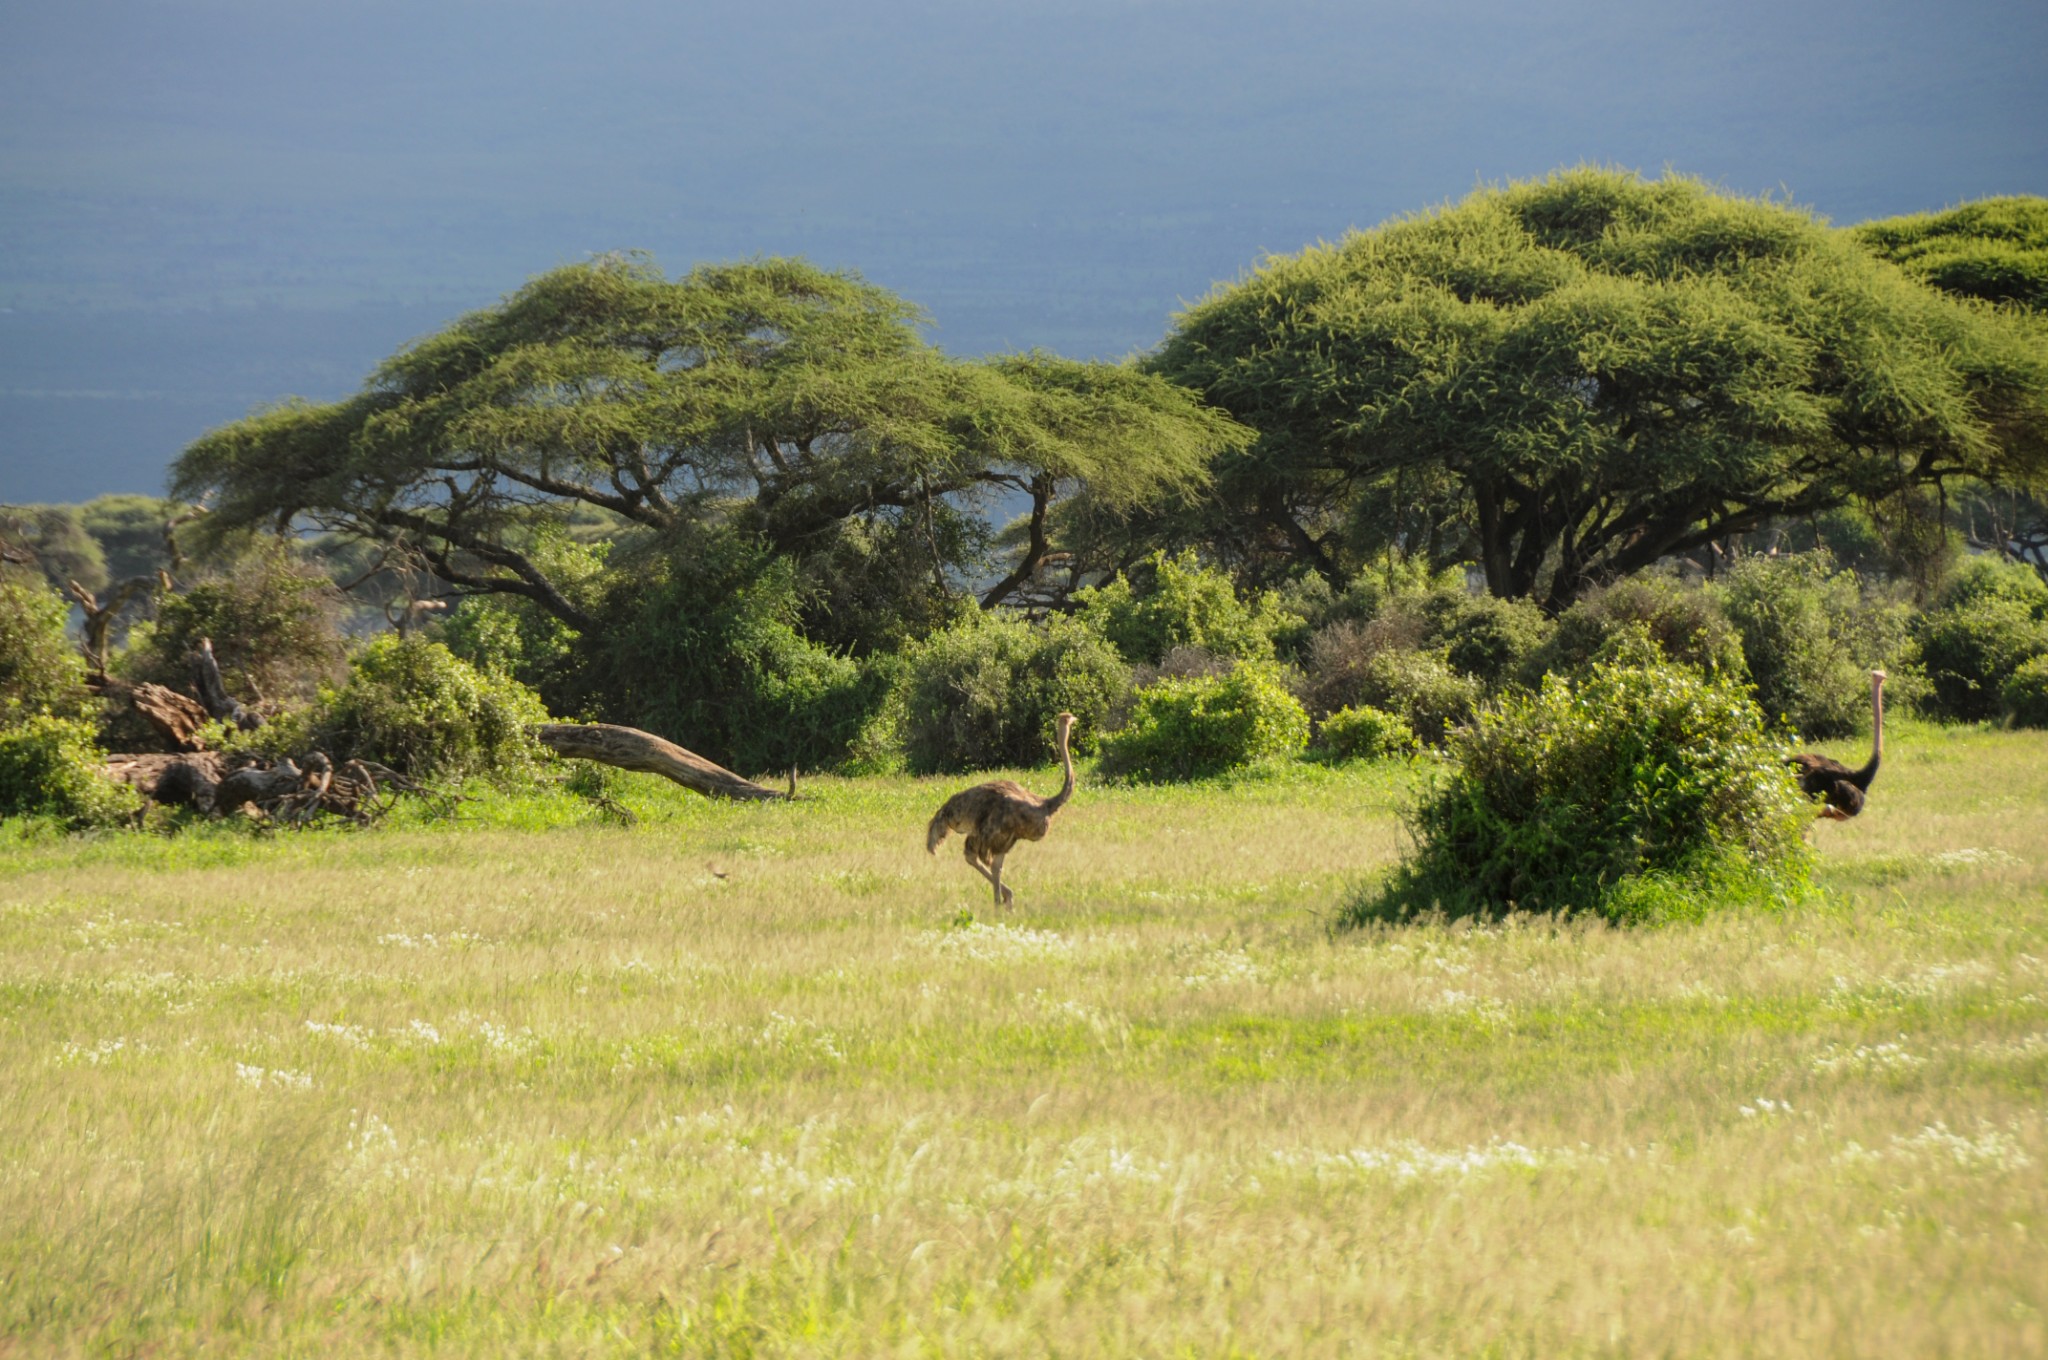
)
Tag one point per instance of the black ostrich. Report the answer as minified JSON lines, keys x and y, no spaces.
{"x":1841,"y":788}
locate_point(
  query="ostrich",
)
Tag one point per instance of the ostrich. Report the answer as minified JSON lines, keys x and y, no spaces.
{"x":998,"y":814}
{"x":1841,"y":787}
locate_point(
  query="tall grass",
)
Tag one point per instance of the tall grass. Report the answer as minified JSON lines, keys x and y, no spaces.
{"x":770,"y":1081}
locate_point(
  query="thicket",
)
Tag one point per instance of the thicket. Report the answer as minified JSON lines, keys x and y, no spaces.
{"x":1632,"y":791}
{"x":1172,"y":601}
{"x":1206,"y":725}
{"x":40,"y":671}
{"x":1810,"y":636}
{"x":273,"y":618}
{"x":1990,"y":620}
{"x":1683,"y":623}
{"x":415,"y":706}
{"x":51,"y":767}
{"x":706,"y":649}
{"x":1365,"y":734}
{"x":984,"y":694}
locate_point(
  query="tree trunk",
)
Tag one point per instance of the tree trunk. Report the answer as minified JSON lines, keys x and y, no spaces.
{"x":628,"y":748}
{"x":213,"y":691}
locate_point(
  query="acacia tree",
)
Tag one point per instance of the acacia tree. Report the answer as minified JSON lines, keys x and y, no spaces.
{"x":797,"y":406}
{"x":1567,"y":380}
{"x":1994,"y":250}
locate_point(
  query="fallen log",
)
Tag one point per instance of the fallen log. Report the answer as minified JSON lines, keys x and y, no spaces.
{"x":628,"y":748}
{"x":175,"y":717}
{"x":147,"y":772}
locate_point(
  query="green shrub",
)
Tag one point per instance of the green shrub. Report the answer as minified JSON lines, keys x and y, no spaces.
{"x":1971,"y":648}
{"x":1986,"y":577}
{"x":412,"y":704}
{"x":1795,"y":617}
{"x":1178,"y":603}
{"x":1204,"y":725}
{"x":984,"y":694}
{"x":508,"y":637}
{"x":272,"y":621}
{"x":40,"y":671}
{"x":702,"y":646}
{"x":1684,"y":623}
{"x":1636,"y":790}
{"x":2025,"y":693}
{"x":1365,"y":734}
{"x":49,"y":767}
{"x":1422,"y":689}
{"x":1492,"y":640}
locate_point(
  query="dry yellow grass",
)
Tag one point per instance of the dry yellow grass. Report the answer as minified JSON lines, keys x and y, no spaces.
{"x":566,"y":1091}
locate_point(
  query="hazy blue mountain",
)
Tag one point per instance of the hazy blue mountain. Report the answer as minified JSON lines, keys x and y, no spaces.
{"x":205,"y":204}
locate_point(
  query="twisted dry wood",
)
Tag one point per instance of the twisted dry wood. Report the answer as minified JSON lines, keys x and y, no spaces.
{"x":628,"y":748}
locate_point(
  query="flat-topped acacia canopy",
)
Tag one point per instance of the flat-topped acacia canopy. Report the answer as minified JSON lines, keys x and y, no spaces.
{"x":1569,"y":379}
{"x":768,"y":397}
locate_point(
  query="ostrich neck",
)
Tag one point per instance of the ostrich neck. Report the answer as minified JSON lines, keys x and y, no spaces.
{"x":1059,"y":800}
{"x":1863,"y":776}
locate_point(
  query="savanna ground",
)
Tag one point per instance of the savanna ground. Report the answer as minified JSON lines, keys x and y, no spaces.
{"x":533,"y":1088}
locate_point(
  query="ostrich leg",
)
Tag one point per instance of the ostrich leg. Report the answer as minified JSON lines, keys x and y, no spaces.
{"x":982,"y":869}
{"x":1003,"y":895}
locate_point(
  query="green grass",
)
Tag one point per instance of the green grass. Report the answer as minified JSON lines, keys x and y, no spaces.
{"x":529,"y":1083}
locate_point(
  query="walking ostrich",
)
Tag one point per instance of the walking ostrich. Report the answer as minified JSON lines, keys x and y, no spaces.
{"x":1841,"y":787}
{"x":998,"y":814}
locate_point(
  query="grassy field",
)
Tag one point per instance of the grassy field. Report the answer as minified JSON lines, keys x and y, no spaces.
{"x":770,"y":1081}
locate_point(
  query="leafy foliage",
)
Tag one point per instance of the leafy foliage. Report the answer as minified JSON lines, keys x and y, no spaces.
{"x":1995,"y":249}
{"x":1418,"y":685}
{"x":1568,"y":798}
{"x":412,"y":704}
{"x":1177,"y":602}
{"x":1492,"y":639}
{"x":49,"y":767}
{"x":1797,"y":618}
{"x":705,"y":648}
{"x":1365,"y":733}
{"x":1205,"y":725}
{"x":272,"y":618}
{"x":1683,"y":624}
{"x":1570,"y":379}
{"x":40,"y":671}
{"x":984,"y":694}
{"x":2025,"y":693}
{"x":1972,"y":647}
{"x":769,"y":399}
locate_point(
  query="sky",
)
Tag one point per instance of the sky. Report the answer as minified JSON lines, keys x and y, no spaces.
{"x":207,"y":205}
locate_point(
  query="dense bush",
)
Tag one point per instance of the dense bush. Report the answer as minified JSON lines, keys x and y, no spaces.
{"x":412,"y":704}
{"x":1622,"y":793}
{"x":509,"y":637}
{"x":1969,"y":650}
{"x":2026,"y":693}
{"x":272,"y":619}
{"x":1365,"y":734}
{"x":1987,"y":577}
{"x":49,"y":767}
{"x":1203,"y":725}
{"x":1492,"y":640}
{"x":1422,"y":689}
{"x":1683,"y":622}
{"x":1176,"y":602}
{"x":40,"y":671}
{"x":1796,"y":618}
{"x":983,"y":694}
{"x":705,"y":649}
